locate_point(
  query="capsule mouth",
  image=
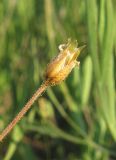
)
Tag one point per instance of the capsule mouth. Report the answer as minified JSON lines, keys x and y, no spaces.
{"x":72,"y":44}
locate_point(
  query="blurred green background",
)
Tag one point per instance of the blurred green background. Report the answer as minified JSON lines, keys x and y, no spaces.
{"x":75,"y":120}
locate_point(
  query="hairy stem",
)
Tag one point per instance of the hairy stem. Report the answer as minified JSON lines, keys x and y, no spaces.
{"x":28,"y":105}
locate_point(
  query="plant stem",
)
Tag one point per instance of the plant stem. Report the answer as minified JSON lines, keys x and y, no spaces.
{"x":28,"y":105}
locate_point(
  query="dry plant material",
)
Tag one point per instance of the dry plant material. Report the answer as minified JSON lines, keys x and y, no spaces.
{"x":57,"y":70}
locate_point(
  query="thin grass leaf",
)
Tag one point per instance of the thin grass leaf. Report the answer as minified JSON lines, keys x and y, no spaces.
{"x":108,"y":39}
{"x":86,"y":81}
{"x":49,"y":12}
{"x":73,"y":106}
{"x":64,"y":114}
{"x":92,"y":15}
{"x":101,"y":22}
{"x":108,"y":68}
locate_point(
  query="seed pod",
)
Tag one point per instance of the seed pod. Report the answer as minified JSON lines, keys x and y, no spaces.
{"x":60,"y":67}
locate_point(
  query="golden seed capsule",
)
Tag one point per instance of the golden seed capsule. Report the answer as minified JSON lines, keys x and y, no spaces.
{"x":60,"y":67}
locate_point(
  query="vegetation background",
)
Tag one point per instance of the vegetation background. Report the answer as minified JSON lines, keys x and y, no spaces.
{"x":75,"y":120}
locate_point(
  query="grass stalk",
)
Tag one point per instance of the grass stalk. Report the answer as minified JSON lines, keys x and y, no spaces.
{"x":92,"y":15}
{"x":64,"y":114}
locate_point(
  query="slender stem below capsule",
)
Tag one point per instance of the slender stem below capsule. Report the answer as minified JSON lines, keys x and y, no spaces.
{"x":24,"y":110}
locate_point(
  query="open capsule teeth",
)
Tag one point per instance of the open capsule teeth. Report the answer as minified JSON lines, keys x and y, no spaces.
{"x":82,"y":47}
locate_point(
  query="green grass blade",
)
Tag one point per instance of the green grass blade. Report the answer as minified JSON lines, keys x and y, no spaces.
{"x":92,"y":15}
{"x":86,"y":81}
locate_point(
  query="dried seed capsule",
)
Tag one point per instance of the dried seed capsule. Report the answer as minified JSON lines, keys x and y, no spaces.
{"x":60,"y":67}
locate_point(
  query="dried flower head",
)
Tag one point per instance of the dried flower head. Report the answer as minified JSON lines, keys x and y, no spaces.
{"x":57,"y":71}
{"x":60,"y":67}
